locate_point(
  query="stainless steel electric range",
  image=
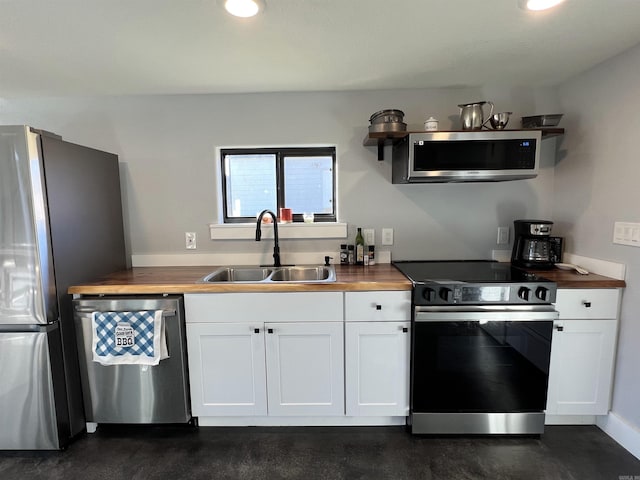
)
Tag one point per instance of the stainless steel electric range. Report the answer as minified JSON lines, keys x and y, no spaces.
{"x":481,"y":343}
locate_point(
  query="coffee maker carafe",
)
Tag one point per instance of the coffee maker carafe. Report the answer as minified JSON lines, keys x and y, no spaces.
{"x":533,"y":246}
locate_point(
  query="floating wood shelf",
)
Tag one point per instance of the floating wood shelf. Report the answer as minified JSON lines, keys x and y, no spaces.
{"x":380,"y":139}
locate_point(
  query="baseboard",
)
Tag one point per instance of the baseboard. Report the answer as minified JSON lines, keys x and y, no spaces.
{"x":299,"y":421}
{"x":617,"y":428}
{"x":569,"y":419}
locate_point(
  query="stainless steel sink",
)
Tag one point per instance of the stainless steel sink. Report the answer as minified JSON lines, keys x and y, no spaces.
{"x":238,"y":274}
{"x":303,"y":274}
{"x":291,"y":274}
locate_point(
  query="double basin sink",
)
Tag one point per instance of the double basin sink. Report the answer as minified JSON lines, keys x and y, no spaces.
{"x":289,"y":274}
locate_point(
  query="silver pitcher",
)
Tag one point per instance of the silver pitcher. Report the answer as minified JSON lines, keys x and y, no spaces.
{"x":472,"y":115}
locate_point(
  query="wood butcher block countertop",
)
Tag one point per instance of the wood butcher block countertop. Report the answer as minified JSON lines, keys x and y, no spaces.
{"x":158,"y":280}
{"x":572,"y":279}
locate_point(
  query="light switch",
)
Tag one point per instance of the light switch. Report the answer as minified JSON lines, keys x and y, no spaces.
{"x":369,"y":236}
{"x":625,"y":233}
{"x":387,"y":236}
{"x":503,"y":235}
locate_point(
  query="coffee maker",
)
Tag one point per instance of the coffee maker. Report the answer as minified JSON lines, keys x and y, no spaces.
{"x":533,"y":246}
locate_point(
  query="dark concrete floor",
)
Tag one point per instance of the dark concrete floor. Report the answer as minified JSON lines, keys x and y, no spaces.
{"x":113,"y":453}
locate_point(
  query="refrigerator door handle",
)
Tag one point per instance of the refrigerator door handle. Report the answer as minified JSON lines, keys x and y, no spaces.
{"x":46,"y":311}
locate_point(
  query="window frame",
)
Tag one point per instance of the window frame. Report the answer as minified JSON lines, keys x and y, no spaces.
{"x":280,"y":153}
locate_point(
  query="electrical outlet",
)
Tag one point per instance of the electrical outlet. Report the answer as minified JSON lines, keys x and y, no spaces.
{"x":369,"y":236}
{"x":503,"y":235}
{"x":387,"y":236}
{"x":190,"y":240}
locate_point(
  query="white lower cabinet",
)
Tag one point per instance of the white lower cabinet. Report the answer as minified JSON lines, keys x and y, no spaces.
{"x":227,"y":369}
{"x":377,"y":349}
{"x":288,"y":361}
{"x":377,"y":368}
{"x":583,"y":352}
{"x":581,"y":369}
{"x":290,"y":358}
{"x":305,"y":368}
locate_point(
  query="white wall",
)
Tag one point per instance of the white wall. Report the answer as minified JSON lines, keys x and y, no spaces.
{"x":167,"y":146}
{"x":596,"y":184}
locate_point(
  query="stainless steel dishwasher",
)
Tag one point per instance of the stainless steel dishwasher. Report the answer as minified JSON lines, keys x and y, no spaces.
{"x":134,"y":393}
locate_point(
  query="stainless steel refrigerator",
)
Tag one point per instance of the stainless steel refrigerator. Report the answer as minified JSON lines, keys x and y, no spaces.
{"x":60,"y":224}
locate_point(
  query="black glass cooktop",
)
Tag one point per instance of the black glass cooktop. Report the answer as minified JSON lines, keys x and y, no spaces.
{"x":481,"y":271}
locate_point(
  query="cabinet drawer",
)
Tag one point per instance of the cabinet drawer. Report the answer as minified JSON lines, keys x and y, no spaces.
{"x":377,"y":306}
{"x":265,"y":307}
{"x":587,"y":303}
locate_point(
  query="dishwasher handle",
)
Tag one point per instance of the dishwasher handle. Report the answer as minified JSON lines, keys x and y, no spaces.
{"x":87,"y":311}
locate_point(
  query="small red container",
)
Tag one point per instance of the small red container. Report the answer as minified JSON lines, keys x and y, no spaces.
{"x":286,"y":215}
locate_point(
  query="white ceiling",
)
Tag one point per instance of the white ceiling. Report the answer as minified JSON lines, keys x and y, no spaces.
{"x":104,"y":47}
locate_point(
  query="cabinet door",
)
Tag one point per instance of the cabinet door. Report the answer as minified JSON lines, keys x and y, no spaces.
{"x":305,"y":368}
{"x":581,"y":369}
{"x":377,"y":368}
{"x":227,"y":369}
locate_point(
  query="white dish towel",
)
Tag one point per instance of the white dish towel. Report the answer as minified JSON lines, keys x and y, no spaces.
{"x":129,"y":338}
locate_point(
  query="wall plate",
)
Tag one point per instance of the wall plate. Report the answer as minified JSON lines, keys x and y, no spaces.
{"x":190,"y":240}
{"x":387,"y":236}
{"x":625,"y":233}
{"x":503,"y":236}
{"x":369,"y":236}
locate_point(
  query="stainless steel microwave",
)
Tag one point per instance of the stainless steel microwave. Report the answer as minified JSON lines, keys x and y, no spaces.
{"x":469,"y":156}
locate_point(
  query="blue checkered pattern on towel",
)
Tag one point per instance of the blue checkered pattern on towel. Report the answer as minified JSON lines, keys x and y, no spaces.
{"x":142,"y":323}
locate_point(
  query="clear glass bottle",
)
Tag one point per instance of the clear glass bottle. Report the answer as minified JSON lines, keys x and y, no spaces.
{"x":351,"y":256}
{"x":359,"y":247}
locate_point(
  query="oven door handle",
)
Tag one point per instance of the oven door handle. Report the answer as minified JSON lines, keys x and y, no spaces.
{"x":442,"y":315}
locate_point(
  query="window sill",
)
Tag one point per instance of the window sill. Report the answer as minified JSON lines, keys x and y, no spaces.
{"x":247,"y":231}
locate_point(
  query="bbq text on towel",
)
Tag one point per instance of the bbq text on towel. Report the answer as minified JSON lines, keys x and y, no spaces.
{"x":129,"y":338}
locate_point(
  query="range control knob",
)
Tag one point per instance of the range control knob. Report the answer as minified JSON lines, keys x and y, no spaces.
{"x":429,"y":294}
{"x":523,"y":293}
{"x":542,"y":293}
{"x":446,"y":294}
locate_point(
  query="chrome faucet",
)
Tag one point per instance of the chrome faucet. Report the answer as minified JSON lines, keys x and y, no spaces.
{"x":276,"y":247}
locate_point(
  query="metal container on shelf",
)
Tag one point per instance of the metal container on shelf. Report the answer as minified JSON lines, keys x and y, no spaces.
{"x":389,"y":120}
{"x":472,"y":115}
{"x":536,"y":121}
{"x":499,"y":121}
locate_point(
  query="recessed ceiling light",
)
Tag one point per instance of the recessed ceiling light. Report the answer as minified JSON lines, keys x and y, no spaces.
{"x":243,"y":8}
{"x":538,"y":5}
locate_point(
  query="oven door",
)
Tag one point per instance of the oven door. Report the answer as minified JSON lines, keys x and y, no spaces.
{"x":480,"y":370}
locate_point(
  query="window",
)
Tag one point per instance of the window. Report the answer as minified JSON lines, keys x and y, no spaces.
{"x":302,"y":179}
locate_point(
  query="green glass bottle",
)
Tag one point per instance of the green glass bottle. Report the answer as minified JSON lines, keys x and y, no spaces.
{"x":359,"y":248}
